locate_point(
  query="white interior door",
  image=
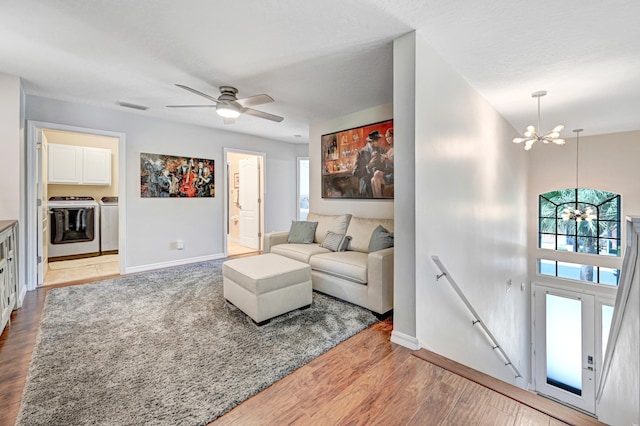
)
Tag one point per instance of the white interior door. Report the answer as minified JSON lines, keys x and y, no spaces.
{"x":249,"y":187}
{"x":42,"y":218}
{"x":565,"y":346}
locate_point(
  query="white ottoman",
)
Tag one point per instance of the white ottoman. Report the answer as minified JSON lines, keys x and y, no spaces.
{"x":267,"y":285}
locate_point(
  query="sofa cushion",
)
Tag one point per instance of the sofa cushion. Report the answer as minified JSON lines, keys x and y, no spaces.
{"x":326,"y":222}
{"x":360,"y":230}
{"x":302,"y":232}
{"x":299,"y":252}
{"x":335,"y":242}
{"x":351,"y":265}
{"x":380,"y":239}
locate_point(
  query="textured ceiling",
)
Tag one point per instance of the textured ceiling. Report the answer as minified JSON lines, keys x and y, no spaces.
{"x":324,"y":59}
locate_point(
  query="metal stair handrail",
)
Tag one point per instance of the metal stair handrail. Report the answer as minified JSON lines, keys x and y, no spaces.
{"x":477,"y":320}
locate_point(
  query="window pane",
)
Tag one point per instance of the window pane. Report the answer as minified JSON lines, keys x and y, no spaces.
{"x":566,"y":243}
{"x":548,"y":225}
{"x":547,"y":209}
{"x":564,"y":343}
{"x":609,"y":276}
{"x":547,"y":267}
{"x":587,"y":229}
{"x":568,"y":270}
{"x":547,"y":241}
{"x":608,"y":229}
{"x":610,"y":210}
{"x":587,"y":245}
{"x":609,"y":247}
{"x":567,"y":227}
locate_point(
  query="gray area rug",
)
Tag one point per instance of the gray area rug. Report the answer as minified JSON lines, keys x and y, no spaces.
{"x":163,"y":348}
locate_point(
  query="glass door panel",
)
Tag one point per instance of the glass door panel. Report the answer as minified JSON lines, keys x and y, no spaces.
{"x":564,"y":346}
{"x":564,"y":343}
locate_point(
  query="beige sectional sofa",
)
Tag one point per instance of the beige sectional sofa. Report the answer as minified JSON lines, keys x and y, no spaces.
{"x":354,"y":275}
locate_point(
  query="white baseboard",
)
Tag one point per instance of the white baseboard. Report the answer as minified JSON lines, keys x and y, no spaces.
{"x":21,"y":295}
{"x":171,"y":263}
{"x":405,"y":340}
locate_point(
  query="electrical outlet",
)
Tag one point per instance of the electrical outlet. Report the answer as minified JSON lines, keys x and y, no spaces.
{"x":180,"y":245}
{"x":509,"y":283}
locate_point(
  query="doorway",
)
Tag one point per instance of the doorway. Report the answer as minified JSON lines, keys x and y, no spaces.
{"x":95,"y":256}
{"x":570,"y":336}
{"x":303,"y":188}
{"x":245,"y":207}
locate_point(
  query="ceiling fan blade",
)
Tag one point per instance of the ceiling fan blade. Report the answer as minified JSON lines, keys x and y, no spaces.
{"x":227,"y":120}
{"x":262,"y":114}
{"x":255,"y":100}
{"x":204,"y":95}
{"x":191,"y":106}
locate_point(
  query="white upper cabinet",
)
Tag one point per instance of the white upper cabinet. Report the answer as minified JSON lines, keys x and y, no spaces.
{"x":79,"y":165}
{"x":96,"y":166}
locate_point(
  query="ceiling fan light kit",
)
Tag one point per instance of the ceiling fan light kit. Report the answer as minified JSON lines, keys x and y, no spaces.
{"x":533,"y":135}
{"x":227,"y":111}
{"x":229,"y":107}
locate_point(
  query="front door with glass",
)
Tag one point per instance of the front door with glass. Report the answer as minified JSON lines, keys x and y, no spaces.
{"x":565,"y":346}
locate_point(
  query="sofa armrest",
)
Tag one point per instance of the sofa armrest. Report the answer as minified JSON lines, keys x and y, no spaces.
{"x":273,"y":238}
{"x":380,"y":280}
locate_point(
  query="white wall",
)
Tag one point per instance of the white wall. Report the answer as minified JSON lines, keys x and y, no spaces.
{"x":12,"y":181}
{"x":470,"y":198}
{"x":404,"y":272}
{"x":10,"y":95}
{"x":357,"y":207}
{"x":153,"y":225}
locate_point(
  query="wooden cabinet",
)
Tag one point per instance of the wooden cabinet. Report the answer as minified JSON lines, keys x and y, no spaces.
{"x":8,"y":270}
{"x":79,"y":165}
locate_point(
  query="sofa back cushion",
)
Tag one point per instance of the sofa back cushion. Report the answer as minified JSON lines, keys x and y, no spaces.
{"x":360,"y":230}
{"x":327,"y":222}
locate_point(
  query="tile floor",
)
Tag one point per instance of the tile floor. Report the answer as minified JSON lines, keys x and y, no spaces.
{"x":80,"y":269}
{"x":235,"y":249}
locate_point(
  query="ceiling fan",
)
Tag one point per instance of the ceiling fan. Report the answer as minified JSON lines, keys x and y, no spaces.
{"x":229,"y":107}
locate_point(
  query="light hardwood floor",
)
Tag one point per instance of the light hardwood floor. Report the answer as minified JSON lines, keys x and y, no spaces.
{"x":365,"y":380}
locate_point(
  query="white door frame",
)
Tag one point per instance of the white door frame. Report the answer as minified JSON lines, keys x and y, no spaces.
{"x":34,"y":128}
{"x":226,"y":185}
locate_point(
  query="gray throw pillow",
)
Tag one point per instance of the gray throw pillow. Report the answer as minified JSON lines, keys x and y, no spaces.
{"x":302,"y":232}
{"x":380,"y":239}
{"x":335,"y":242}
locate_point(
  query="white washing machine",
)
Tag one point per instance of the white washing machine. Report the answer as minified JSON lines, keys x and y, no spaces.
{"x":108,"y":224}
{"x":73,"y":224}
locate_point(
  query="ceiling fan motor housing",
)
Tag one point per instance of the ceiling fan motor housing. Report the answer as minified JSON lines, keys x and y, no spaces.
{"x":228,"y":93}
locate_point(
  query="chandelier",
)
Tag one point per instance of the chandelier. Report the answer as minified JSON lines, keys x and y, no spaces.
{"x":533,"y":135}
{"x":574,"y":213}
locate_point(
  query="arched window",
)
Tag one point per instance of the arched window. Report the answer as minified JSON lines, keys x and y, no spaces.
{"x":563,"y":226}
